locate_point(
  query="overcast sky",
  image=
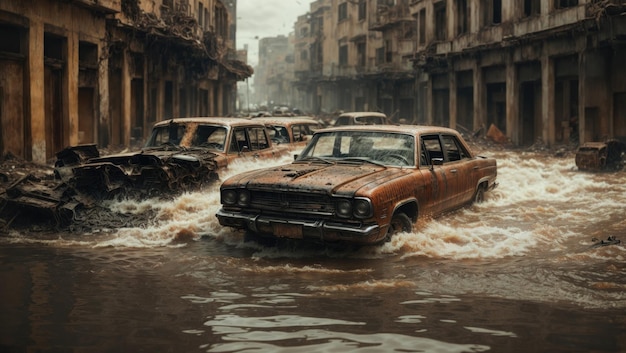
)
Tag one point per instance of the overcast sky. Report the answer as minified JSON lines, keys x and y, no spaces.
{"x":258,"y":19}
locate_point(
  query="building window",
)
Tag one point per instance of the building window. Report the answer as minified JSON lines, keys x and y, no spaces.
{"x":343,"y":55}
{"x":343,"y":11}
{"x":422,"y":26}
{"x":492,"y":12}
{"x":561,"y":4}
{"x":362,"y":10}
{"x":200,"y":14}
{"x":380,"y":55}
{"x":462,"y":16}
{"x":11,"y":39}
{"x":441,"y":32}
{"x":532,"y":7}
{"x":361,"y":54}
{"x":304,"y":55}
{"x":388,"y":51}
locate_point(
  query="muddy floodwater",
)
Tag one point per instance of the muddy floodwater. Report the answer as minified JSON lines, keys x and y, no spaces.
{"x":521,"y":272}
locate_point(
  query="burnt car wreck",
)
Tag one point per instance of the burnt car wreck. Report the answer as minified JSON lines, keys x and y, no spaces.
{"x":83,"y":179}
{"x":180,"y":155}
{"x":601,"y":156}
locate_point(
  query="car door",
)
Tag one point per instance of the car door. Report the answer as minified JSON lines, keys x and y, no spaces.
{"x":436,"y":176}
{"x":459,"y":173}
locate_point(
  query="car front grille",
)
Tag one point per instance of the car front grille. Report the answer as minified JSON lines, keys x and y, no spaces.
{"x":291,"y":202}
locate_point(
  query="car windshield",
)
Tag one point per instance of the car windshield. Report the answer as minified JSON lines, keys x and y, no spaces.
{"x":188,"y":135}
{"x":392,"y":149}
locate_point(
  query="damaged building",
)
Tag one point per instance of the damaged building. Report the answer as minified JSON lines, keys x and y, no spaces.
{"x":102,"y":72}
{"x":539,"y":71}
{"x":354,"y":56}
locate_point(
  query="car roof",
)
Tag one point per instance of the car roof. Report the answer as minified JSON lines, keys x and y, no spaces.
{"x":287,"y":120}
{"x":411,"y":129}
{"x":362,"y":114}
{"x":224,"y":121}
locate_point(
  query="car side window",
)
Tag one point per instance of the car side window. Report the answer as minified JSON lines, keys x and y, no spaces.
{"x":297,"y":132}
{"x":258,"y":139}
{"x":454,"y":150}
{"x":431,"y":149}
{"x":238,"y":141}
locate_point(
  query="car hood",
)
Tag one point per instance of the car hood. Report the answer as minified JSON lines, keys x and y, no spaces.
{"x":340,"y":178}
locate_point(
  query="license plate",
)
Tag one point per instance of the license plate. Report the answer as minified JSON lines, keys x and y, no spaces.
{"x":287,"y":230}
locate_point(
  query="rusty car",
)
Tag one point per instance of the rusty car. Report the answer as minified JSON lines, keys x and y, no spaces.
{"x":358,"y":185}
{"x":601,"y":156}
{"x":180,"y":154}
{"x":362,"y":118}
{"x":293,"y":132}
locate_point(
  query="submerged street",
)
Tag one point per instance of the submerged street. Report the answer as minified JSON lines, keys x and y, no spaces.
{"x":526,"y":271}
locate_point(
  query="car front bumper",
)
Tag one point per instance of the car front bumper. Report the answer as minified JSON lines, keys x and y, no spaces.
{"x":283,"y":227}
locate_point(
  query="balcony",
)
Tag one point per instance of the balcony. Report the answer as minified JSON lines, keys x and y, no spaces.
{"x":102,"y":6}
{"x":388,"y":17}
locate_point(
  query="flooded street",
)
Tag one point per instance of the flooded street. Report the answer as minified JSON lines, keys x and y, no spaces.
{"x":518,"y":273}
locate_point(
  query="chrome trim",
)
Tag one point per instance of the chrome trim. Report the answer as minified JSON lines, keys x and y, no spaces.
{"x":251,"y":222}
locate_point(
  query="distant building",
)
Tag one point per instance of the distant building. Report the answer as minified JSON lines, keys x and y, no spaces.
{"x":86,"y":71}
{"x":547,"y":71}
{"x":274,"y":73}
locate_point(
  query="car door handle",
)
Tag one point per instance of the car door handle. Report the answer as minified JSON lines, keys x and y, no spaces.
{"x":476,"y":167}
{"x":453,"y":170}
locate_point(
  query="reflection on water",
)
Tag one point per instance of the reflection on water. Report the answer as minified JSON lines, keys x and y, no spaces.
{"x":517,"y":273}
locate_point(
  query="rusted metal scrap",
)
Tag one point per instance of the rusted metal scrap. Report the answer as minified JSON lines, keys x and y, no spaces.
{"x":83,"y":179}
{"x":601,"y":156}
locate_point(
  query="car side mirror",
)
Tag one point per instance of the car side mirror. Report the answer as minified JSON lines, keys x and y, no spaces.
{"x":295,"y":157}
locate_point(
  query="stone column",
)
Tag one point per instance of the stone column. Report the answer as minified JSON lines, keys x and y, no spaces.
{"x":102,"y":135}
{"x":70,"y":97}
{"x":126,"y":99}
{"x":582,"y":78}
{"x":453,"y":97}
{"x":547,"y":99}
{"x":512,"y":101}
{"x":35,"y":92}
{"x":479,"y":98}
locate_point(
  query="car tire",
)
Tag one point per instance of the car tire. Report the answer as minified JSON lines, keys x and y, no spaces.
{"x":400,"y":222}
{"x":479,"y":196}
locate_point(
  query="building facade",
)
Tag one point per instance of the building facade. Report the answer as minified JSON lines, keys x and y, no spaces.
{"x":546,"y":71}
{"x":540,"y":71}
{"x":103,"y":71}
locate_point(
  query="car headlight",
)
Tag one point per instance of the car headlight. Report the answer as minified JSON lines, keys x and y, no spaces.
{"x":243,"y":198}
{"x":362,"y":208}
{"x":229,"y":197}
{"x":344,"y":208}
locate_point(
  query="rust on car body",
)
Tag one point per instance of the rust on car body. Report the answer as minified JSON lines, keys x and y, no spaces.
{"x":180,"y":155}
{"x":601,"y":156}
{"x":358,"y":184}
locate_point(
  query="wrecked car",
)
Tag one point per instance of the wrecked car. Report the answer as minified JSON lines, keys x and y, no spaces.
{"x":601,"y":156}
{"x":359,"y":185}
{"x":362,"y":118}
{"x":180,"y":154}
{"x":294,"y":132}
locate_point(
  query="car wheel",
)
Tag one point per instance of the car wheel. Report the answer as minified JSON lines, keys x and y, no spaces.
{"x":479,"y":197}
{"x":400,"y":222}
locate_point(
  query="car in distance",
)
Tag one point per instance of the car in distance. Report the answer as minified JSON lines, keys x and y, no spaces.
{"x":362,"y":118}
{"x":358,"y":184}
{"x":294,"y":132}
{"x":180,"y":155}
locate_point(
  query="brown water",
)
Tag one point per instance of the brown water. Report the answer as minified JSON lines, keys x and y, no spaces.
{"x":515,"y":274}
